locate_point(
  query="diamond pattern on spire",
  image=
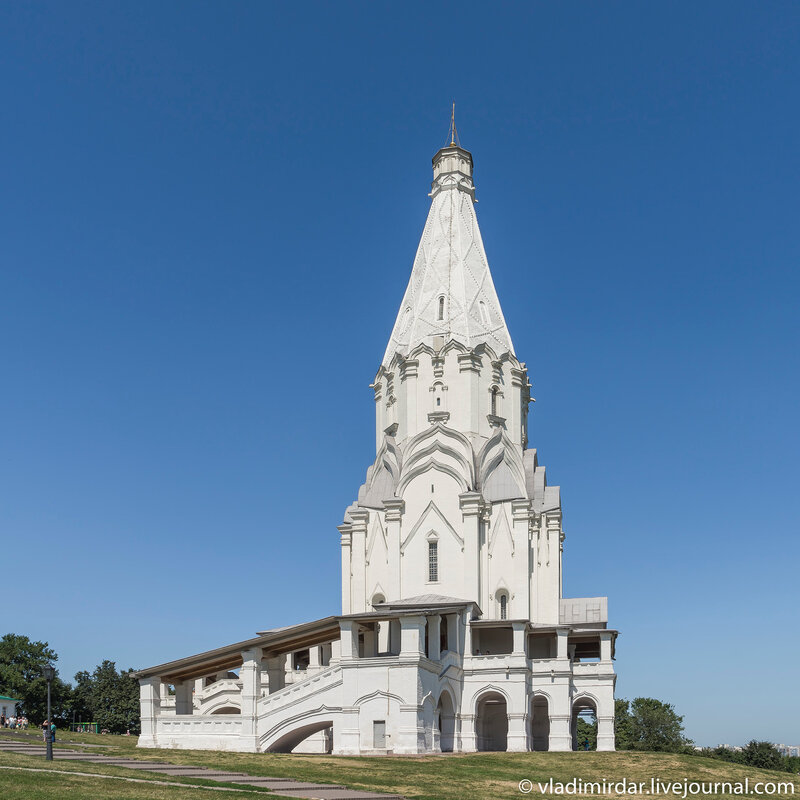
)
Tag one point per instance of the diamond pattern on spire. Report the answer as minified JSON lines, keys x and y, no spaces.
{"x":450,"y":263}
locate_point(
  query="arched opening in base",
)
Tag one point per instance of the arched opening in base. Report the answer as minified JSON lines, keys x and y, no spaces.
{"x":584,"y":724}
{"x":491,"y":723}
{"x":289,"y":741}
{"x":540,"y":723}
{"x":446,"y":722}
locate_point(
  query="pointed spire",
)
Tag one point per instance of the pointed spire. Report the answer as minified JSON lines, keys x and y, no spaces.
{"x":450,"y":294}
{"x":453,"y":132}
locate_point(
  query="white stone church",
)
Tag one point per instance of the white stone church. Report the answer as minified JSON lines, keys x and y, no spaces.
{"x":453,"y":634}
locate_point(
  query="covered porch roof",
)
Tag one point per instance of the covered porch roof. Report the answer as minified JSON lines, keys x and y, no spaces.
{"x":272,"y":643}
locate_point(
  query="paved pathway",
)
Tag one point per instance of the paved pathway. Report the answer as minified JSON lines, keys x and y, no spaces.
{"x":284,"y":786}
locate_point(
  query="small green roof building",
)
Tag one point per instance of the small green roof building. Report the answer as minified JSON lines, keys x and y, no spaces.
{"x":8,"y":705}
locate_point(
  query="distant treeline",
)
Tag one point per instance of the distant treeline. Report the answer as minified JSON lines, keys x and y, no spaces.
{"x":105,"y":696}
{"x":755,"y":754}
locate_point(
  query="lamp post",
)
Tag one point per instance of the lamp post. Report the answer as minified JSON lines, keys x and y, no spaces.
{"x":49,"y":673}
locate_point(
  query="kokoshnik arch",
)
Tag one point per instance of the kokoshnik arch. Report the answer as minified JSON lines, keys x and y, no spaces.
{"x":453,"y":634}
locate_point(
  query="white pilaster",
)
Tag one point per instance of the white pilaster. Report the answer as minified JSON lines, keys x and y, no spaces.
{"x":451,"y":620}
{"x":276,"y":672}
{"x":470,"y":503}
{"x":606,"y":738}
{"x":434,"y":637}
{"x":250,"y":676}
{"x":521,"y":601}
{"x":605,"y":646}
{"x":149,"y":703}
{"x":394,"y":516}
{"x":412,"y":636}
{"x":183,"y":697}
{"x":349,"y":640}
{"x":520,"y":630}
{"x":313,"y":660}
{"x":347,"y":570}
{"x":562,"y":644}
{"x":336,"y":651}
{"x":358,"y":561}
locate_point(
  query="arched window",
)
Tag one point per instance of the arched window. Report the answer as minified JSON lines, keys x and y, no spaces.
{"x":484,"y":312}
{"x":495,"y":392}
{"x":437,"y":391}
{"x":433,"y":561}
{"x":441,"y":307}
{"x":503,"y":606}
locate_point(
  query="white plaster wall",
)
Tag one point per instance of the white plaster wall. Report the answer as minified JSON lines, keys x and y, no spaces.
{"x":404,"y":396}
{"x":432,"y":508}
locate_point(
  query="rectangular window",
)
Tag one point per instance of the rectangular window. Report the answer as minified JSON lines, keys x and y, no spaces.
{"x":433,"y":561}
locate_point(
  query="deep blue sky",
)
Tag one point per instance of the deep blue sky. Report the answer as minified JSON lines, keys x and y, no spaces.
{"x":208,"y":216}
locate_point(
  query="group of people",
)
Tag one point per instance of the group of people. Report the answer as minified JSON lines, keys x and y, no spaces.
{"x":14,"y":722}
{"x":50,"y":727}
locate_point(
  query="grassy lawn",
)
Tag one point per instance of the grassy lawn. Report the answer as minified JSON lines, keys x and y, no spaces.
{"x":479,"y":776}
{"x":42,"y":786}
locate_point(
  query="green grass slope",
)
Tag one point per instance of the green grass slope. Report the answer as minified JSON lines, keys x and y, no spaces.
{"x":478,"y":776}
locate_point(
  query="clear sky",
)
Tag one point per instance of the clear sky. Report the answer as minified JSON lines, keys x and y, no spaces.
{"x":208,"y":215}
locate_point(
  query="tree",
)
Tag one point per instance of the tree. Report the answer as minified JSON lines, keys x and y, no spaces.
{"x":726,"y":754}
{"x":622,"y":725}
{"x":764,"y":755}
{"x":648,"y":724}
{"x":109,"y":698}
{"x":655,"y":726}
{"x":587,"y":730}
{"x":80,"y":705}
{"x":21,"y":665}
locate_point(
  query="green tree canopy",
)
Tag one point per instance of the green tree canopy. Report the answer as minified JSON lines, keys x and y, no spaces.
{"x":586,"y":731}
{"x":109,"y":698}
{"x":764,"y":755}
{"x":622,"y":725}
{"x":21,"y":665}
{"x":81,"y":700}
{"x":648,"y":724}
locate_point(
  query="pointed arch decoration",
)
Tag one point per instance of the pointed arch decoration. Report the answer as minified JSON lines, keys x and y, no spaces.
{"x":442,"y":448}
{"x":500,"y":528}
{"x":377,"y":536}
{"x":431,"y":519}
{"x":501,"y":469}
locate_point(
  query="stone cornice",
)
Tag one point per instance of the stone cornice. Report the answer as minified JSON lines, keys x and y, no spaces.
{"x":360,"y":519}
{"x":409,"y":369}
{"x":469,"y":362}
{"x":394,"y":509}
{"x":346,"y":535}
{"x":521,"y":509}
{"x":471,"y":503}
{"x":518,"y":377}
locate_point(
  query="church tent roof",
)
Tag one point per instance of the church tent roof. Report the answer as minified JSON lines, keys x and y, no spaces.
{"x":450,"y":293}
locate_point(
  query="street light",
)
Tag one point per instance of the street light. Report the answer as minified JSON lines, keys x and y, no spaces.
{"x":49,"y":673}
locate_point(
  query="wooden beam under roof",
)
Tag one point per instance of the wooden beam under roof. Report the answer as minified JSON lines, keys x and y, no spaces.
{"x":282,"y":640}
